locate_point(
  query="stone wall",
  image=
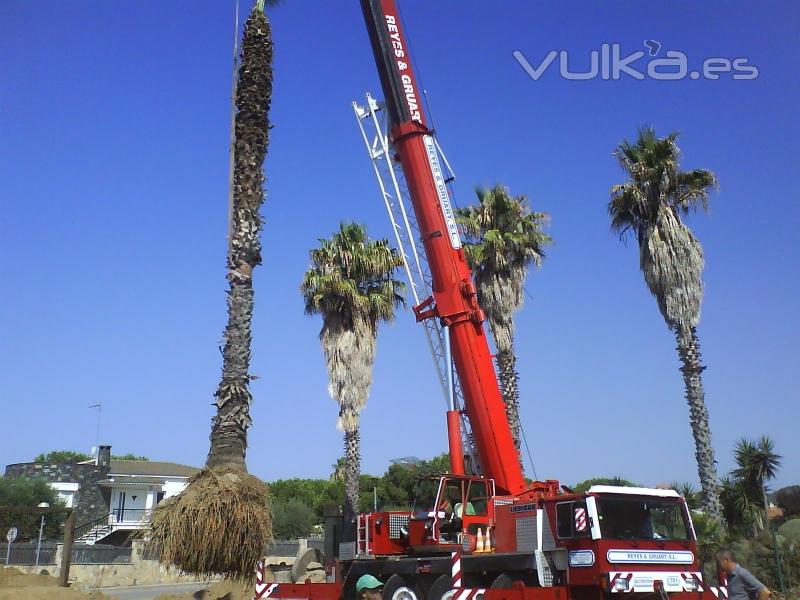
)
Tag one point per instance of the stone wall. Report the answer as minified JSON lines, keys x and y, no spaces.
{"x":140,"y":571}
{"x":89,"y":501}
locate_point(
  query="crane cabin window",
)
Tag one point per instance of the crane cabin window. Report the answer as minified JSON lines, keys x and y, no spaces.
{"x":642,"y":519}
{"x":477,"y":498}
{"x":572,"y":520}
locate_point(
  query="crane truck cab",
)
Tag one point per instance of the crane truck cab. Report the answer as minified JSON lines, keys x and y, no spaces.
{"x":612,"y":539}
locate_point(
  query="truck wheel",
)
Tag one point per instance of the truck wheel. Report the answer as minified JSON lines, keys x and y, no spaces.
{"x":502,"y":582}
{"x":505,"y":581}
{"x":401,"y":588}
{"x":442,"y":588}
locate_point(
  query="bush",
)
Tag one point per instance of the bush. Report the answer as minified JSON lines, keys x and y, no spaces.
{"x":791,"y":531}
{"x":757,"y":555}
{"x":709,"y":539}
{"x":16,"y":491}
{"x":616,"y":480}
{"x":292,"y":519}
{"x":61,"y":456}
{"x":788,"y":499}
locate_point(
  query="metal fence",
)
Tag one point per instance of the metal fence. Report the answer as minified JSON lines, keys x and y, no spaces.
{"x":148,"y":551}
{"x":25,"y":554}
{"x":105,"y":554}
{"x":100,"y":554}
{"x":292,"y":547}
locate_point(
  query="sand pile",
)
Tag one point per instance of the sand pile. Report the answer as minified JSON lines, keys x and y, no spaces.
{"x":16,"y":585}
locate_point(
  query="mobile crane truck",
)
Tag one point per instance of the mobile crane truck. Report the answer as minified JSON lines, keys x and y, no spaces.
{"x":490,"y":534}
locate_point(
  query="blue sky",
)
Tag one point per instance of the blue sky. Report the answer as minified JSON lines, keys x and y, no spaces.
{"x":113,"y":175}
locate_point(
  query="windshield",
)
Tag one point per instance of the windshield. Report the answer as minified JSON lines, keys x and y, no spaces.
{"x":642,"y":519}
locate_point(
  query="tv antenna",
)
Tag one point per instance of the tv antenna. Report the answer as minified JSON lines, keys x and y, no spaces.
{"x":99,"y":407}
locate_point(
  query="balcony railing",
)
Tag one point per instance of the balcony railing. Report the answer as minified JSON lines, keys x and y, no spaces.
{"x":130,"y":516}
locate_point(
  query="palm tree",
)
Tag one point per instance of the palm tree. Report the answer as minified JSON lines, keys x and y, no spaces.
{"x":503,"y":239}
{"x":250,"y":140}
{"x":757,"y":463}
{"x":338,"y":470}
{"x":688,"y":492}
{"x":351,"y":285}
{"x":649,"y":206}
{"x":222,"y":502}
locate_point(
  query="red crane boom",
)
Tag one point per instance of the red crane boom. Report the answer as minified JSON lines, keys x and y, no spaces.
{"x":454,"y":299}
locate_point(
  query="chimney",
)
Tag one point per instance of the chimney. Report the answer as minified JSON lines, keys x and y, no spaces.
{"x":104,"y":456}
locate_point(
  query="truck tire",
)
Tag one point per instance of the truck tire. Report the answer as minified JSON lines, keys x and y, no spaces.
{"x":504,"y":581}
{"x":401,"y":588}
{"x":442,"y":588}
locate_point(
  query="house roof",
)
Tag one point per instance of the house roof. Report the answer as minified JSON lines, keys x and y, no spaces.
{"x":131,"y":480}
{"x":152,"y":468}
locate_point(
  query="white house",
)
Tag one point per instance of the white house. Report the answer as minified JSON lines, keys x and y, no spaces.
{"x":111,"y":497}
{"x":132,"y":489}
{"x":136,"y":486}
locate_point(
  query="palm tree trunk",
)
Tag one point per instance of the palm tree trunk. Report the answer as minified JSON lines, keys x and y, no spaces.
{"x":509,"y":386}
{"x":692,"y":369}
{"x":251,"y":139}
{"x":352,"y":455}
{"x":229,"y":427}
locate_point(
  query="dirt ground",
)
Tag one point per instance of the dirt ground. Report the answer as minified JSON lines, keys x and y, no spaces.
{"x":222,"y":590}
{"x":16,"y":585}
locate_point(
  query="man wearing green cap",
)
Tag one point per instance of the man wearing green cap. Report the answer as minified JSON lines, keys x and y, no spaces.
{"x":368,"y":588}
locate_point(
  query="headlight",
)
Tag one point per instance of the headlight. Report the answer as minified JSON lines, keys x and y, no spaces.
{"x":621,"y":585}
{"x":691,"y":585}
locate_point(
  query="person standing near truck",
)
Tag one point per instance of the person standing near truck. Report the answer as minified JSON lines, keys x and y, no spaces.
{"x":368,"y":588}
{"x":742,"y":584}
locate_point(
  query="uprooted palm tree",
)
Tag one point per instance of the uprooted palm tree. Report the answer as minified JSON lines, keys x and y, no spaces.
{"x":503,"y":239}
{"x":221,"y":523}
{"x":351,"y":285}
{"x":649,"y":206}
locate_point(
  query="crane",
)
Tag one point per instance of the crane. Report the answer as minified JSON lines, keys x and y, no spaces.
{"x":454,"y":300}
{"x":489,"y":534}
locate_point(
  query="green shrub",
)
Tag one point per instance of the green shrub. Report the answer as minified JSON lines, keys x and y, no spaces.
{"x":292,"y":519}
{"x":791,"y":531}
{"x":757,"y":555}
{"x":616,"y":480}
{"x":27,"y":493}
{"x":788,"y":498}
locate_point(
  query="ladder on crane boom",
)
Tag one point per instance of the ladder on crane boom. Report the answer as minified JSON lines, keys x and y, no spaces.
{"x":373,"y":125}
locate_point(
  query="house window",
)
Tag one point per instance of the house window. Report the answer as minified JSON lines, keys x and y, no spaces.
{"x":159,"y":497}
{"x":572,"y":520}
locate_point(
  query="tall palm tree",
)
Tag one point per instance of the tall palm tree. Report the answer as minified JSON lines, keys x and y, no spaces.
{"x":503,"y":239}
{"x":251,"y":138}
{"x":351,"y":285}
{"x":193,"y":530}
{"x":649,"y":206}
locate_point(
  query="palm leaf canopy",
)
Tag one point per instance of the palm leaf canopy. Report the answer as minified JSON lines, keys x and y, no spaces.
{"x":756,"y":461}
{"x":502,"y":232}
{"x":649,"y":206}
{"x":654,"y":181}
{"x":351,"y":276}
